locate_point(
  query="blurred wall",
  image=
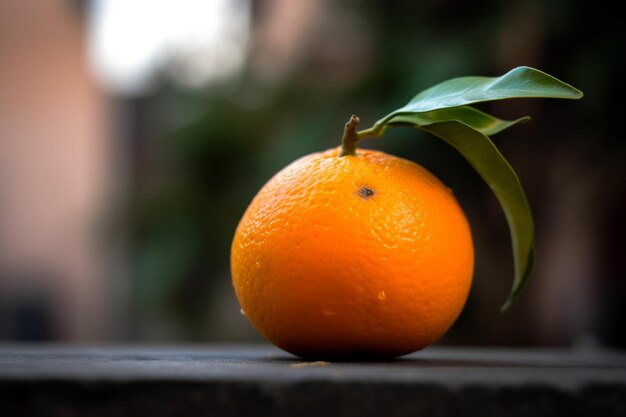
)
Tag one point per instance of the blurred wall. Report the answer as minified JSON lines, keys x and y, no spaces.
{"x":53,"y":176}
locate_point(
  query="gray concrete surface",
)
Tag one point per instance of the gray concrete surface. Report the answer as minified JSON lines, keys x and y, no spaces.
{"x":220,"y":380}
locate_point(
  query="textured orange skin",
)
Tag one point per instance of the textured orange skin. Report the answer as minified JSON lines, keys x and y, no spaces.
{"x":324,"y":270}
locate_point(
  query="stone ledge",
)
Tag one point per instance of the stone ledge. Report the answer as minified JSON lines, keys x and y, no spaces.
{"x":260,"y":381}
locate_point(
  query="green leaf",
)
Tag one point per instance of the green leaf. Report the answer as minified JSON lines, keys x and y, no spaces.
{"x":482,"y":154}
{"x":474,"y":118}
{"x":444,"y":110}
{"x":520,"y":82}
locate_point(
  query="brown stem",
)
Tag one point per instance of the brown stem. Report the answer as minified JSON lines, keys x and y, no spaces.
{"x":350,"y":138}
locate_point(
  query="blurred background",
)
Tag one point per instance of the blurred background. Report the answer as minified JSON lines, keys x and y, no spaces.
{"x":133,"y":134}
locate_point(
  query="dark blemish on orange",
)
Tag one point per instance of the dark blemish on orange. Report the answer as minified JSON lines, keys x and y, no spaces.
{"x":365,"y":192}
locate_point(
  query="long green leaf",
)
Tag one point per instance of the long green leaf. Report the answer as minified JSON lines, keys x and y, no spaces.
{"x":444,"y":110}
{"x":520,"y":82}
{"x":482,"y":154}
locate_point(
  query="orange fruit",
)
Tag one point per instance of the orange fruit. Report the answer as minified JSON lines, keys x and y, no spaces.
{"x":341,"y":257}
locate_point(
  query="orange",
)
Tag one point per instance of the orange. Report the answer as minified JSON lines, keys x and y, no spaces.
{"x":342,"y":257}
